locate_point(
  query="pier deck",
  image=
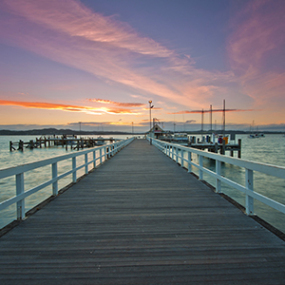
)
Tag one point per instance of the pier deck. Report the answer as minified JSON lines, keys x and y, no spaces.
{"x":140,"y":219}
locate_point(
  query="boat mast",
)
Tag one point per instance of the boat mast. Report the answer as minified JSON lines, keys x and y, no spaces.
{"x":224,"y":116}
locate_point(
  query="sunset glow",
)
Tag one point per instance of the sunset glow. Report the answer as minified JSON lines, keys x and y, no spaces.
{"x":100,"y":62}
{"x":50,"y":106}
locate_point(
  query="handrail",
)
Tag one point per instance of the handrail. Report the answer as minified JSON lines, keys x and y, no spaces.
{"x":105,"y":151}
{"x":172,"y":150}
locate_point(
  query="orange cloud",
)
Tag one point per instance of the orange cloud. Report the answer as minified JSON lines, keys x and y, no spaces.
{"x":70,"y":108}
{"x":40,"y":105}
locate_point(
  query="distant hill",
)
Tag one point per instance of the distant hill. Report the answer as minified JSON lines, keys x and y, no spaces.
{"x":53,"y":131}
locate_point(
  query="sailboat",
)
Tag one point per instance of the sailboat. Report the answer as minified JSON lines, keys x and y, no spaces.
{"x":256,"y":134}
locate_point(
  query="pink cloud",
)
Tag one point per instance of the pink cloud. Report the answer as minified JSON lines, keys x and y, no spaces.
{"x":256,"y":51}
{"x":74,"y":19}
{"x":69,"y":33}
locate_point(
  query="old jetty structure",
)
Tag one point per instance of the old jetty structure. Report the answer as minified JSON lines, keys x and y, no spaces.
{"x":137,"y":217}
{"x":73,"y":142}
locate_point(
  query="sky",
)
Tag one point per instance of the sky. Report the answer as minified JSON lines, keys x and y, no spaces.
{"x":95,"y":65}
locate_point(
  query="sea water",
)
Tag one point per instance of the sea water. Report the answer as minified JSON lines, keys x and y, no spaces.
{"x":269,"y":149}
{"x":37,"y":176}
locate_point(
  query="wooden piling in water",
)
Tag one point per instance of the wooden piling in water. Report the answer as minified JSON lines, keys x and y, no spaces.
{"x":21,"y":145}
{"x":216,"y":148}
{"x":11,"y":146}
{"x":223,"y":147}
{"x":239,"y":148}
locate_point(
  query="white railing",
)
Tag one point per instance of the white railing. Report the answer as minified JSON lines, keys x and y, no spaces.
{"x":106,"y":151}
{"x":177,"y":153}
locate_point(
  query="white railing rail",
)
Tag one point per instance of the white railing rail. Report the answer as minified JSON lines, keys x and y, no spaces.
{"x":106,"y":151}
{"x":177,"y":152}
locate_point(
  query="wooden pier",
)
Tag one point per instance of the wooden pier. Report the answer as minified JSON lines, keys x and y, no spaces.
{"x":63,"y":141}
{"x":140,"y":219}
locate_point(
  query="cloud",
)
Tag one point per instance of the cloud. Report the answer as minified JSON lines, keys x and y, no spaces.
{"x":69,"y":108}
{"x":68,"y":32}
{"x":120,"y":122}
{"x":74,"y":19}
{"x":23,"y":94}
{"x":137,"y":96}
{"x":213,"y":110}
{"x":102,"y":101}
{"x":256,"y":50}
{"x":88,"y":124}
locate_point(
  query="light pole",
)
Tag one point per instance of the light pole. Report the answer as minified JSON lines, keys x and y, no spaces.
{"x":150,"y":107}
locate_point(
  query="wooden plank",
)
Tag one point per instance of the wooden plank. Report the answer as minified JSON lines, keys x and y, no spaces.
{"x":140,"y":219}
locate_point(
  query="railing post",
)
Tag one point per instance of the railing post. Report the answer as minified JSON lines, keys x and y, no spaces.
{"x":218,"y":172}
{"x":86,"y":163}
{"x":105,"y":152}
{"x":108,"y":152}
{"x":19,"y":190}
{"x":100,"y":153}
{"x":54,"y":176}
{"x":74,"y":169}
{"x":200,"y":157}
{"x":182,"y":158}
{"x":177,"y":155}
{"x":249,"y":201}
{"x":189,"y":161}
{"x":94,"y":158}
